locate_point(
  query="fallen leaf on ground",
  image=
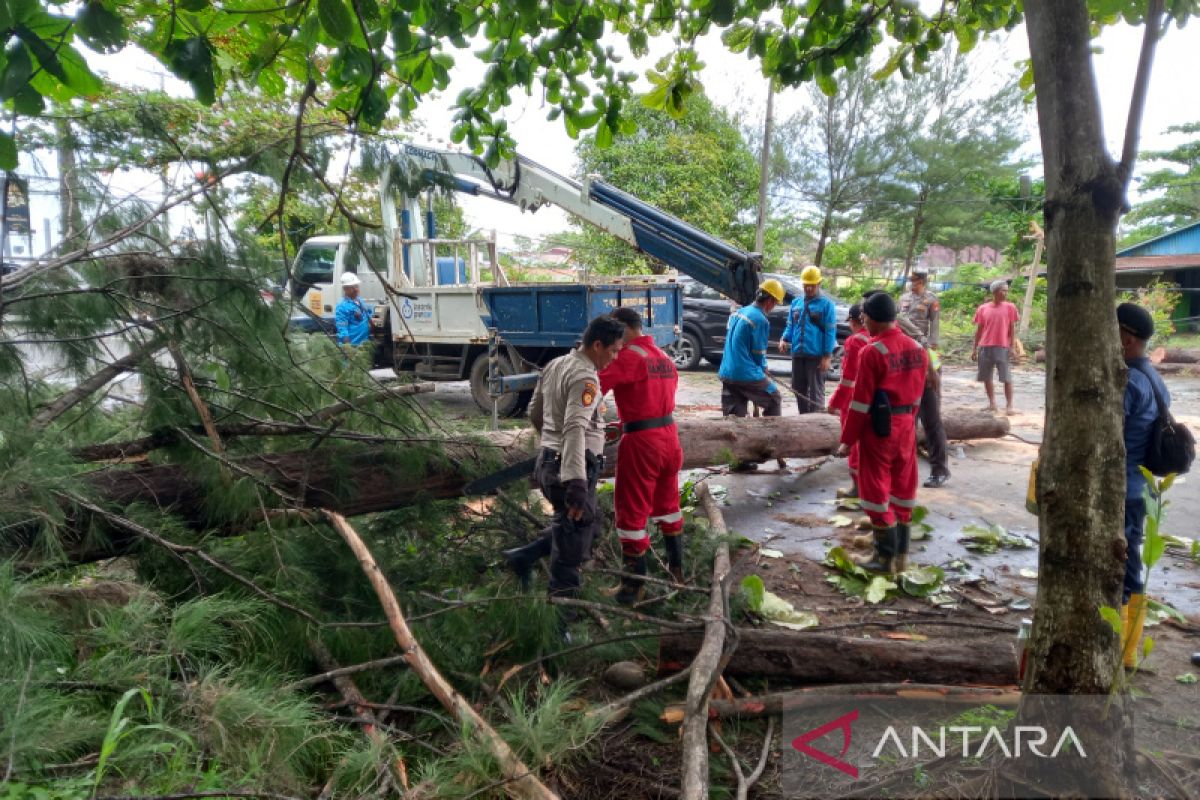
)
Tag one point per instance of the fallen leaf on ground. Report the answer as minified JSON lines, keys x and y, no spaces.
{"x":840,"y":521}
{"x":771,"y":553}
{"x":1026,"y":572}
{"x":1187,"y":677}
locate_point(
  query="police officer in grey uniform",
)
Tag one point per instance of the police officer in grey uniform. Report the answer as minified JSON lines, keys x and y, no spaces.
{"x":566,"y":413}
{"x":921,"y":307}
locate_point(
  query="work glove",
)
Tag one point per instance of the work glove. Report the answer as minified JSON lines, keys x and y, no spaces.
{"x":579,"y":499}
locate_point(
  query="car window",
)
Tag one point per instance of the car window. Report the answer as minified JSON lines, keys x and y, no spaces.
{"x":315,"y":265}
{"x":692,"y":289}
{"x":709,"y":293}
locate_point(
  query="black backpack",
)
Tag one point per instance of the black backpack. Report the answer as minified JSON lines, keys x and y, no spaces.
{"x":1172,"y":447}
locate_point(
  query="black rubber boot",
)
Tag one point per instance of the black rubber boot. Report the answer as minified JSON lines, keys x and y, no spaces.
{"x":885,"y":552}
{"x":632,"y":589}
{"x":521,"y":560}
{"x":674,"y":547}
{"x":903,"y":534}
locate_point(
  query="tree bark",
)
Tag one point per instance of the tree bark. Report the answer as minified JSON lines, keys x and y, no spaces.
{"x":369,"y":478}
{"x":808,"y":658}
{"x":823,"y":238}
{"x":918,"y":223}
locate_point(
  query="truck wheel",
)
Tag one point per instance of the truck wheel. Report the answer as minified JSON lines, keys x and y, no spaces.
{"x":714,"y":359}
{"x":512,"y":404}
{"x":686,"y":352}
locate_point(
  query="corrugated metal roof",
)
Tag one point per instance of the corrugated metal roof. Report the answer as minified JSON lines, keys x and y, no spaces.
{"x":1185,"y":240}
{"x":1157,"y":263}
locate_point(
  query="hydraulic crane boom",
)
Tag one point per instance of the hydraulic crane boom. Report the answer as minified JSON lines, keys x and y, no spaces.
{"x":528,"y":185}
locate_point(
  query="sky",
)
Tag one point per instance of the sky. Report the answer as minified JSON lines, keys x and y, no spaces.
{"x":732,"y":81}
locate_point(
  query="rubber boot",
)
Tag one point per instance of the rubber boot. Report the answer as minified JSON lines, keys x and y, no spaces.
{"x":863,"y":540}
{"x":1133,"y":615}
{"x":521,"y":560}
{"x":674,"y":547}
{"x":903,"y":535}
{"x":885,"y":552}
{"x":851,"y":492}
{"x":632,"y":589}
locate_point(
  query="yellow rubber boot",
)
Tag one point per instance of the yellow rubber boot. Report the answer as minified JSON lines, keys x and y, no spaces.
{"x":1133,"y":618}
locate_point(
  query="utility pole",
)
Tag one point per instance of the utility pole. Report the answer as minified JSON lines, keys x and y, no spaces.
{"x":1039,"y":237}
{"x":764,"y":171}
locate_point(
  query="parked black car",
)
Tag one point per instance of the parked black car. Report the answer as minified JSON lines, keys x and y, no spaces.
{"x":706,"y":316}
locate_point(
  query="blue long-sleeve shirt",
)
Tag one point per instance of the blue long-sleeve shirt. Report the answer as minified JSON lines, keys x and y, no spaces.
{"x":746,"y":339}
{"x":353,"y":318}
{"x":811,"y":326}
{"x":1141,"y":410}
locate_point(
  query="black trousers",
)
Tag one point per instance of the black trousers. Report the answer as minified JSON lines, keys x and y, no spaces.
{"x":930,"y":415}
{"x":808,"y":379}
{"x":736,"y":397}
{"x":568,"y":542}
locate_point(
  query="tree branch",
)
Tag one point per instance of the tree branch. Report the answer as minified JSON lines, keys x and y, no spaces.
{"x":65,"y":402}
{"x":1141,"y":85}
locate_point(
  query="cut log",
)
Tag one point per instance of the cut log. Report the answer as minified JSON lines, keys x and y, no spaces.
{"x":1174,"y":355}
{"x":371,"y":478}
{"x":1174,"y":368}
{"x":826,"y":658}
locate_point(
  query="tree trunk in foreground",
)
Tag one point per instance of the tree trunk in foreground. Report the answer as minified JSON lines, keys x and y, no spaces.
{"x":374,"y":478}
{"x":799,"y":657}
{"x":1082,"y":469}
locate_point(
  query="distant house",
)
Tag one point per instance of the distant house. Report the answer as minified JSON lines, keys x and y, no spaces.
{"x":938,"y":256}
{"x":1172,"y":257}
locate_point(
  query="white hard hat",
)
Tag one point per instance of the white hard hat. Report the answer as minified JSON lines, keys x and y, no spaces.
{"x":350,"y":279}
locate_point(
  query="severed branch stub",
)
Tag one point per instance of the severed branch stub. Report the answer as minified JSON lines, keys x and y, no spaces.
{"x":708,"y":663}
{"x":521,"y":781}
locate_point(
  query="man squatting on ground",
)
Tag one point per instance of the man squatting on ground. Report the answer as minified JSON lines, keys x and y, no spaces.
{"x":810,"y":337}
{"x":566,"y":413}
{"x":1144,"y":389}
{"x":643,"y":381}
{"x":921,"y":307}
{"x":881,"y":420}
{"x":743,"y":371}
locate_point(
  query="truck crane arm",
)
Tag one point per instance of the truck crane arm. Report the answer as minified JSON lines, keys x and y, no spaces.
{"x":528,"y":185}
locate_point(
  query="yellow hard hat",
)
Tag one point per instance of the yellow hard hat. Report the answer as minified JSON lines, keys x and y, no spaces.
{"x":810,"y":275}
{"x":773,"y":288}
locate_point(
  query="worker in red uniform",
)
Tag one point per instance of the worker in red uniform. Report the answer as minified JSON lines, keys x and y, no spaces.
{"x":881,"y":420}
{"x":840,"y":402}
{"x":643,"y":381}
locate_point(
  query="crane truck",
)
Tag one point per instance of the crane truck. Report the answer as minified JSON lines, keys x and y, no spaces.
{"x":447,"y":310}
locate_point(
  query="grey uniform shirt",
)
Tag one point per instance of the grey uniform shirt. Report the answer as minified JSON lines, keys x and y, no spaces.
{"x":924,"y":311}
{"x":566,"y":411}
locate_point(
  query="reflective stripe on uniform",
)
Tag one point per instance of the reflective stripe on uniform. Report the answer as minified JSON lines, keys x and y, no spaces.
{"x":847,"y":384}
{"x":861,"y":408}
{"x":672,"y":517}
{"x":745,"y":319}
{"x":881,"y":347}
{"x":869,"y":506}
{"x":896,"y":501}
{"x":632,"y":536}
{"x":639,"y":350}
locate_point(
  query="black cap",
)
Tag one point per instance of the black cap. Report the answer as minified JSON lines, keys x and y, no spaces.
{"x":856,"y":312}
{"x":880,"y":307}
{"x":919,"y":275}
{"x":870,"y":293}
{"x":1135,"y":320}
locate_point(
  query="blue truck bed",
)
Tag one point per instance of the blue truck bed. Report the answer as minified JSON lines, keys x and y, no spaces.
{"x":555,"y":314}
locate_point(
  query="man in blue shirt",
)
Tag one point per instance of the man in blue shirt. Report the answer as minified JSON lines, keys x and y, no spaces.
{"x":353,"y":316}
{"x":1141,"y":412}
{"x":810,"y":337}
{"x":743,"y":372}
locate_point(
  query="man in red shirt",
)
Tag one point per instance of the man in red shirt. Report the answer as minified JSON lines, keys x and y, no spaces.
{"x":643,"y":380}
{"x":995,"y":332}
{"x":881,"y":420}
{"x":840,"y":402}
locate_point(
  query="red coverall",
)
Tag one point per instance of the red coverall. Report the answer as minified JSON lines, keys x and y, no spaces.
{"x":845,"y":390}
{"x":643,"y":381}
{"x":887,"y":472}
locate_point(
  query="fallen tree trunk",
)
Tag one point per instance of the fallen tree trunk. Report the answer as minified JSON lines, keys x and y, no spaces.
{"x":1175,"y":355}
{"x":371,"y":478}
{"x":827,"y":658}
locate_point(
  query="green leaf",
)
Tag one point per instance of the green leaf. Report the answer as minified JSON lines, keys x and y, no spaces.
{"x":1147,"y":647}
{"x":591,"y":26}
{"x":100,"y":27}
{"x":1153,"y":547}
{"x":374,"y":106}
{"x":878,"y":589}
{"x":722,"y":12}
{"x":45,"y":55}
{"x":604,"y":136}
{"x":271,"y":83}
{"x":16,"y":72}
{"x":1113,"y":618}
{"x":1187,"y":677}
{"x":335,"y":19}
{"x":193,"y":5}
{"x":29,"y":102}
{"x":8,"y":152}
{"x":755,"y":591}
{"x":191,"y":60}
{"x":826,"y":84}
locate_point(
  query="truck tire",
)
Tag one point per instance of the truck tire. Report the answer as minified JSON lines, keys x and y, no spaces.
{"x":686,"y":351}
{"x":714,"y":359}
{"x":512,"y":404}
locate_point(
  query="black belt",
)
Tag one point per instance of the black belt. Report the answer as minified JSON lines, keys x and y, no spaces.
{"x":904,"y":409}
{"x":555,"y":457}
{"x":647,"y":424}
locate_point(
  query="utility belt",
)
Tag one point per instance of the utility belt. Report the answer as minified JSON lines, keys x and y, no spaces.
{"x":593,"y":462}
{"x":882,"y":411}
{"x":647,"y":424}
